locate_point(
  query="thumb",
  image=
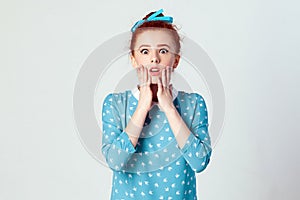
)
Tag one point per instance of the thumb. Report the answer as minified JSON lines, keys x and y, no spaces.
{"x":171,"y":88}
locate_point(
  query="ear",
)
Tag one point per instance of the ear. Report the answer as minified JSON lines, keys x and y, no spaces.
{"x":133,"y":61}
{"x":176,"y":62}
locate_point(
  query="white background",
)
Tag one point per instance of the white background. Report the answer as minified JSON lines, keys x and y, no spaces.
{"x":254,"y":44}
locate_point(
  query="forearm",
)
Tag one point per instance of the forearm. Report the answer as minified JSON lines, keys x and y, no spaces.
{"x":178,"y":126}
{"x":135,"y":125}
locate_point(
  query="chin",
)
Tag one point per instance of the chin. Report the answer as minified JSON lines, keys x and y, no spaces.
{"x":154,"y":79}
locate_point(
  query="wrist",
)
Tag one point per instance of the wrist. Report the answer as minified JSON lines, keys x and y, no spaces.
{"x":141,"y":110}
{"x":171,"y":110}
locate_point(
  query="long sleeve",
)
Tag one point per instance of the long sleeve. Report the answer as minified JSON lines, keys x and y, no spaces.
{"x":116,"y":145}
{"x":197,"y":150}
{"x":156,"y":168}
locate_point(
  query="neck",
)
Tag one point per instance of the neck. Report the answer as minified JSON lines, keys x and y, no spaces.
{"x":154,"y":89}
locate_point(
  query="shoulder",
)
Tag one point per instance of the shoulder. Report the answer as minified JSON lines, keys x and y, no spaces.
{"x":190,"y":97}
{"x":191,"y":100}
{"x":117,"y":97}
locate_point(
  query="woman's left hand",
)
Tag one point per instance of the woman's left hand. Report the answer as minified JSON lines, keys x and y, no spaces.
{"x":164,"y":92}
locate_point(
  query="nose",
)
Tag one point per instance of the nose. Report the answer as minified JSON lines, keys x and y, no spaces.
{"x":154,"y":58}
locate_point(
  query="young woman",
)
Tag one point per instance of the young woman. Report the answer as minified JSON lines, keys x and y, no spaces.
{"x":155,"y":138}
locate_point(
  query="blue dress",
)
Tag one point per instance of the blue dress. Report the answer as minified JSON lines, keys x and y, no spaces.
{"x":156,"y":168}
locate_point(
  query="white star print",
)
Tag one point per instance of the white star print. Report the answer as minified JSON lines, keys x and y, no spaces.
{"x":171,"y":169}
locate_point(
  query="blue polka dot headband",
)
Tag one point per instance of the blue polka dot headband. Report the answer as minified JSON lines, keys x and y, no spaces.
{"x":153,"y":17}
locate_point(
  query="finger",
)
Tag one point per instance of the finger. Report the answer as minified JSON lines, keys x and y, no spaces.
{"x":163,"y":77}
{"x":168,"y":75}
{"x":159,"y":86}
{"x":171,"y":88}
{"x":145,"y":75}
{"x":142,"y":76}
{"x":138,"y":71}
{"x":149,"y":81}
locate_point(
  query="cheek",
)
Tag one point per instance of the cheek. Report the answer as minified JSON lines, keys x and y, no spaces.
{"x":169,"y":60}
{"x":142,"y":60}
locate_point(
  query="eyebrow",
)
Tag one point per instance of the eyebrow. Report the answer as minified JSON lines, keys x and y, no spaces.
{"x":159,"y":45}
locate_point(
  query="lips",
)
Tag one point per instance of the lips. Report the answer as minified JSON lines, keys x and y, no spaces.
{"x":154,"y":71}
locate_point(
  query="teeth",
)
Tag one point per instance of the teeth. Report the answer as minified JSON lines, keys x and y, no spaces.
{"x":154,"y":70}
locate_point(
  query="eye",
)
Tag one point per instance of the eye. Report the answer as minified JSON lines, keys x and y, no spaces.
{"x":163,"y":51}
{"x":144,"y":51}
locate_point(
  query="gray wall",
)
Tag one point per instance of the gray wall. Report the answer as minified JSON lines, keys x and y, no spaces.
{"x":254,"y":45}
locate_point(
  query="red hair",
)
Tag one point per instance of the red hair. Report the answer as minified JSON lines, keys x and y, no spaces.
{"x":155,"y":24}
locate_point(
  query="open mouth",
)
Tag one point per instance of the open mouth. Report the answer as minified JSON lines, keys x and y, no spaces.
{"x":154,"y":71}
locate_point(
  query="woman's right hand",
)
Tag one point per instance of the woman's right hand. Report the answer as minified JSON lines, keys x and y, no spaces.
{"x":145,"y":98}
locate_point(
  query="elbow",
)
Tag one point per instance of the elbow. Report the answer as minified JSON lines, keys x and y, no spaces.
{"x":116,"y":159}
{"x":202,"y":166}
{"x":114,"y":163}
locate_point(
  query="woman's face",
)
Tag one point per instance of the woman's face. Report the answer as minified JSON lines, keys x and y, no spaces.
{"x":155,"y":50}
